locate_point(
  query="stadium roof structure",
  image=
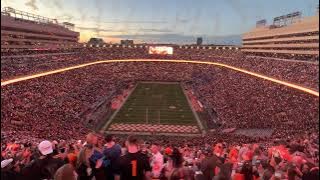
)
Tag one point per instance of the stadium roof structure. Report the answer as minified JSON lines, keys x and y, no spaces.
{"x":22,"y":15}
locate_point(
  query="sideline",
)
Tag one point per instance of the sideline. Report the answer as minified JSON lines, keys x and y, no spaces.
{"x":291,"y":85}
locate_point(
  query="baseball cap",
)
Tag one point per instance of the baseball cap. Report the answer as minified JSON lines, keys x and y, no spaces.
{"x":45,"y":147}
{"x":6,"y":162}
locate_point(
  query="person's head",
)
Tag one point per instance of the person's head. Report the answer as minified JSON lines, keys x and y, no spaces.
{"x":154,"y":148}
{"x":314,"y":173}
{"x":45,"y":147}
{"x":257,"y":151}
{"x":72,"y":159}
{"x":84,"y":155}
{"x":92,"y":138}
{"x":218,"y":148}
{"x":132,"y":143}
{"x":6,"y":164}
{"x":66,"y":172}
{"x":283,"y":143}
{"x":176,"y":158}
{"x":109,"y":138}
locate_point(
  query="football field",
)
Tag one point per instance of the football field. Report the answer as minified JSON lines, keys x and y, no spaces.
{"x":155,"y":107}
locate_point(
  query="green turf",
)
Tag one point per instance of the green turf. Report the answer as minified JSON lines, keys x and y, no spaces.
{"x":156,"y":103}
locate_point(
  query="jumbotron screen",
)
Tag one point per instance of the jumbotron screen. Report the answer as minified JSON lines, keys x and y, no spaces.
{"x":162,"y":50}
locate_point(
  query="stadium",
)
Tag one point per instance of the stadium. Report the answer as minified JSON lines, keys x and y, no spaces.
{"x":252,"y":97}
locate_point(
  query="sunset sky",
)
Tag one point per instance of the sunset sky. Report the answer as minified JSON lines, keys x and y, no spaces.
{"x":144,"y":20}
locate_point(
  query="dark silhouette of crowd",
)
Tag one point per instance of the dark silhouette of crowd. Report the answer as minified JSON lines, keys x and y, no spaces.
{"x":104,"y":157}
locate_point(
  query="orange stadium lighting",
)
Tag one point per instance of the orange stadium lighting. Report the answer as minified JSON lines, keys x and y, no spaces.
{"x":294,"y":86}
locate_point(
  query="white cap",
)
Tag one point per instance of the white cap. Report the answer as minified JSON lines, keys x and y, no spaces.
{"x":6,"y":162}
{"x":45,"y":147}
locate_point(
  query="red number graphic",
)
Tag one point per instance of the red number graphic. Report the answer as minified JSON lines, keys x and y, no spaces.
{"x":134,"y":167}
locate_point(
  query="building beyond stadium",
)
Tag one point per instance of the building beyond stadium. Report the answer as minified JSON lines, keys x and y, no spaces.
{"x":22,"y":30}
{"x":289,"y":35}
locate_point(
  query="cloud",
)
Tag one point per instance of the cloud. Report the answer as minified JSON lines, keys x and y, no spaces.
{"x":133,"y":22}
{"x":65,"y":17}
{"x":140,"y":30}
{"x":96,"y":29}
{"x":5,"y":2}
{"x":99,"y":11}
{"x":182,"y":39}
{"x":57,"y":3}
{"x":178,"y":20}
{"x":154,"y":30}
{"x":236,"y":6}
{"x":32,"y":4}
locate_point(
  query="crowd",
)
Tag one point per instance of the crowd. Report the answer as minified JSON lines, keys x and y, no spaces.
{"x":50,"y":108}
{"x":303,"y":73}
{"x":55,"y":102}
{"x":102,"y":157}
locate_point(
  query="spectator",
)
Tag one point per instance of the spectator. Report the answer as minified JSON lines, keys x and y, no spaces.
{"x":7,"y":172}
{"x":156,"y":160}
{"x":210,"y":166}
{"x":112,"y":152}
{"x":178,"y":171}
{"x":134,"y":165}
{"x":83,"y":167}
{"x":46,"y":166}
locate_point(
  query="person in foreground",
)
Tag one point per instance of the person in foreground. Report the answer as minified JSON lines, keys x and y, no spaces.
{"x":134,"y":165}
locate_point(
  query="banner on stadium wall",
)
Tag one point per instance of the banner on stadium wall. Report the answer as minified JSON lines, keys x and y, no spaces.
{"x":161,"y":50}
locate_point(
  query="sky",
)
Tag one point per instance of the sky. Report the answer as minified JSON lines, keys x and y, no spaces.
{"x":174,"y":21}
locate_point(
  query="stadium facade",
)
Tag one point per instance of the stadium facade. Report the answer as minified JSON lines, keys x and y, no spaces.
{"x":289,"y":35}
{"x":22,"y":30}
